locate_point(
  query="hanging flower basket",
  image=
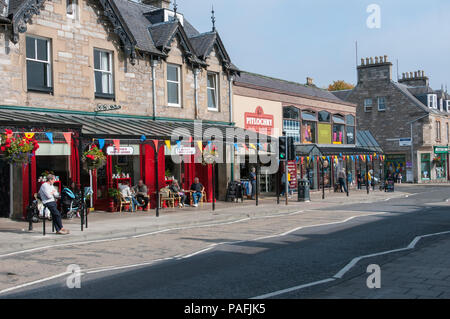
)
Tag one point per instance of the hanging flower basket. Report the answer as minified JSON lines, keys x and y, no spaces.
{"x":93,"y":158}
{"x":17,"y":150}
{"x":437,"y":161}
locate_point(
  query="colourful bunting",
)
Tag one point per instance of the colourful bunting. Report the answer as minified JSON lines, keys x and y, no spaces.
{"x":49,"y":136}
{"x":236,"y":147}
{"x":143,"y":138}
{"x":169,"y":146}
{"x":101,"y":143}
{"x":28,"y":135}
{"x":68,"y":137}
{"x":117,"y":144}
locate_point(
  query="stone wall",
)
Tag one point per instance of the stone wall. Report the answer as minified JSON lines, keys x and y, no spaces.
{"x":72,"y":45}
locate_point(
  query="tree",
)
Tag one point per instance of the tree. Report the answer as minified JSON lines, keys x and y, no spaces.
{"x":340,"y":85}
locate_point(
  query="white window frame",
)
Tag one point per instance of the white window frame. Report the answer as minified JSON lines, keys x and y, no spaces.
{"x":448,"y":105}
{"x":432,"y":101}
{"x":178,"y":67}
{"x":441,"y":104}
{"x":216,"y":90}
{"x":367,"y":105}
{"x":378,"y":101}
{"x":74,"y":5}
{"x":49,"y":58}
{"x":110,"y":72}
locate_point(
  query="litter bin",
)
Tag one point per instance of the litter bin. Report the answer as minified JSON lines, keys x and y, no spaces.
{"x":303,"y":190}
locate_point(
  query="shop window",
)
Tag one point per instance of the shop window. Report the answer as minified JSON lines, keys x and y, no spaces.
{"x":72,"y":9}
{"x":338,"y":133}
{"x":292,"y":128}
{"x":324,"y":116}
{"x":173,"y":85}
{"x":213,"y":100}
{"x":103,"y":74}
{"x":381,"y":104}
{"x":350,"y":120}
{"x":425,"y":166}
{"x":291,"y":112}
{"x":38,"y":64}
{"x":368,"y":105}
{"x":309,"y":132}
{"x":350,"y":135}
{"x":440,"y":162}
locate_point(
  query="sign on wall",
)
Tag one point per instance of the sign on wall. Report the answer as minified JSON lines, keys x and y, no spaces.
{"x":182,"y":150}
{"x":123,"y":150}
{"x":440,"y":149}
{"x":259,"y":121}
{"x":404,"y":142}
{"x":324,"y":133}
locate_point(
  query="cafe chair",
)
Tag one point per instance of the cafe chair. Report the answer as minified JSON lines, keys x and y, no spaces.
{"x":124,"y":202}
{"x":166,"y":196}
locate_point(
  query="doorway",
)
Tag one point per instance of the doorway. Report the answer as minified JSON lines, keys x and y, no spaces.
{"x":5,"y":191}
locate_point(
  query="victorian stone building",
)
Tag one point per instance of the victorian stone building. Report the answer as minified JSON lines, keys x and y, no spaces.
{"x":396,"y":111}
{"x":63,"y":62}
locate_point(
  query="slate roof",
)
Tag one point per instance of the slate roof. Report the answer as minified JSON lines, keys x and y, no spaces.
{"x":411,"y":92}
{"x":286,"y":86}
{"x":148,"y":37}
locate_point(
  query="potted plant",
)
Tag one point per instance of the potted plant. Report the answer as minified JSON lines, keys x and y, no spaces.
{"x":17,"y":150}
{"x":114,"y":194}
{"x":437,"y":160}
{"x":118,"y":170}
{"x":93,"y":158}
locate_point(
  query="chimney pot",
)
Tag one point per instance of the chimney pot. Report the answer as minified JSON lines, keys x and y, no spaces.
{"x":415,"y":74}
{"x":410,"y":75}
{"x":385,"y":58}
{"x":403,"y":76}
{"x":367,"y":61}
{"x":362,"y":61}
{"x":381,"y":59}
{"x":371,"y":60}
{"x":309,"y":81}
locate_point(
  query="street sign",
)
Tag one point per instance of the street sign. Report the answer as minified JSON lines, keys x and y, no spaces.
{"x":404,"y":142}
{"x":440,"y":149}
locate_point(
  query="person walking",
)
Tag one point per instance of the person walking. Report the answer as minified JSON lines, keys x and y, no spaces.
{"x":253,"y":181}
{"x":341,"y":178}
{"x":48,"y":196}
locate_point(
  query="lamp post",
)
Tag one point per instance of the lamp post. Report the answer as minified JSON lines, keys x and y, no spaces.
{"x":324,"y":165}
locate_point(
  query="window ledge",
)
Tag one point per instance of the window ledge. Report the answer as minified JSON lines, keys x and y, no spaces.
{"x":40,"y":90}
{"x":105,"y":96}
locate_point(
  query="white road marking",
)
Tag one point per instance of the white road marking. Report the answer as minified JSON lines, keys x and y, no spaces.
{"x":350,"y":265}
{"x":34,"y":282}
{"x":284,"y":291}
{"x":109,"y":268}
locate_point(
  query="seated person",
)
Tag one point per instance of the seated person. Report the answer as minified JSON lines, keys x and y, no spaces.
{"x":141,"y":192}
{"x":175,"y":188}
{"x":197,"y":189}
{"x":128,"y":195}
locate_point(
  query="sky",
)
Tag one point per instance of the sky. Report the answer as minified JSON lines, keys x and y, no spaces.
{"x":295,"y":39}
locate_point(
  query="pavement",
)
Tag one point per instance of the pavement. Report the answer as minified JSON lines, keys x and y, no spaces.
{"x":240,"y":251}
{"x":423,"y":273}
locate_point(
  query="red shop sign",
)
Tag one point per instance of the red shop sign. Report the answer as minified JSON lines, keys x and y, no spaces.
{"x":259,"y":121}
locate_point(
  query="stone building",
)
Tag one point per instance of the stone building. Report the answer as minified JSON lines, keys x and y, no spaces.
{"x":396,"y":111}
{"x":61,"y":61}
{"x":315,"y":119}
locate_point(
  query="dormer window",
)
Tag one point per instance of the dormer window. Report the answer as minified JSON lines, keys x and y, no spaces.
{"x":441,"y":104}
{"x":432,"y":101}
{"x":447,"y":105}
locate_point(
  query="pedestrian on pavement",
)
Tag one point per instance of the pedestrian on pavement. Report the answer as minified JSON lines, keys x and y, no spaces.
{"x":197,"y":190}
{"x":141,"y":192}
{"x":359,"y":179}
{"x":341,"y":178}
{"x":175,"y":188}
{"x":253,"y":181}
{"x":48,"y":195}
{"x":128,"y":195}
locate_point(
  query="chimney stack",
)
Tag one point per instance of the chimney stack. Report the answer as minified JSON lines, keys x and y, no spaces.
{"x":164,"y":4}
{"x":375,"y":69}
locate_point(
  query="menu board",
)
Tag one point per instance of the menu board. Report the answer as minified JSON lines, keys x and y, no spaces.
{"x":292,"y":170}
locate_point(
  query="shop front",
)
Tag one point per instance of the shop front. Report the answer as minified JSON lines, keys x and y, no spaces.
{"x":396,"y":166}
{"x":440,"y":162}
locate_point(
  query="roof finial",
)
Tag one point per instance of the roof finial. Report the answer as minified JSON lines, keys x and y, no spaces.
{"x":175,"y":8}
{"x":213,"y":19}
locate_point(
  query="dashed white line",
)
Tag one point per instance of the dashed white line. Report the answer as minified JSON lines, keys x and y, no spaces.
{"x":347,"y":267}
